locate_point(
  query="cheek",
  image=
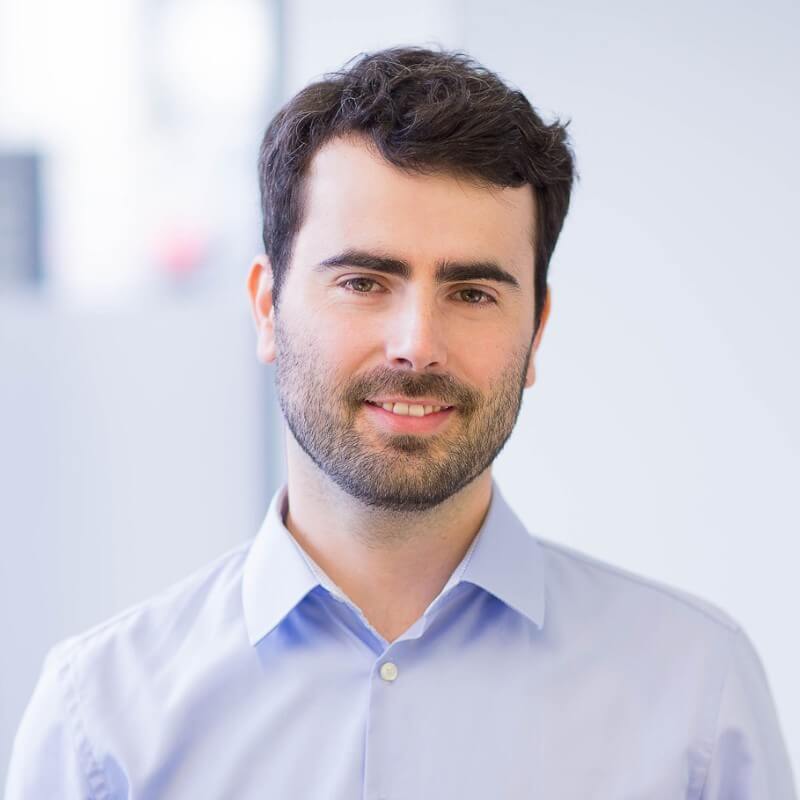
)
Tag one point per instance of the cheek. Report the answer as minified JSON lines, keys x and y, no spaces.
{"x":338,"y":351}
{"x":478,"y":372}
{"x":496,"y":367}
{"x":483,"y":357}
{"x":343,"y":335}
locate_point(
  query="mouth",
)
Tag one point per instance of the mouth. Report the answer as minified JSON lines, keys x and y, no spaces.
{"x":414,"y":418}
{"x":404,"y":408}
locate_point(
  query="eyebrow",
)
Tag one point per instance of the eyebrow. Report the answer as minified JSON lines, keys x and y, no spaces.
{"x":446,"y":271}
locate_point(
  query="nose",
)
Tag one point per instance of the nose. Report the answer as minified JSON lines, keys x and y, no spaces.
{"x":415,"y":339}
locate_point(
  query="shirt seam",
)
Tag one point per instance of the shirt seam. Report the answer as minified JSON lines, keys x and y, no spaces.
{"x":714,"y":738}
{"x":93,"y":773}
{"x":730,"y":625}
{"x":166,"y":595}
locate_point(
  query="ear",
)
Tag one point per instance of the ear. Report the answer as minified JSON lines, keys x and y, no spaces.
{"x":530,"y":375}
{"x":259,"y":287}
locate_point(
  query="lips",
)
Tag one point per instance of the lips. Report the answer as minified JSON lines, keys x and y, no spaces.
{"x":413,"y":408}
{"x":411,"y":420}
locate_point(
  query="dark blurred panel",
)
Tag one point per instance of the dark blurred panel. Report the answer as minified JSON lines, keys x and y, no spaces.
{"x":20,"y":220}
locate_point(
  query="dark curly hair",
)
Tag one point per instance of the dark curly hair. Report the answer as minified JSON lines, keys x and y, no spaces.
{"x":426,"y":112}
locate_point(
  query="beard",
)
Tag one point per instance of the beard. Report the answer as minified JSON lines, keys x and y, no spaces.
{"x":393,"y":472}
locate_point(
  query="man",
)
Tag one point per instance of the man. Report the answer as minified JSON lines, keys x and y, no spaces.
{"x":393,"y":631}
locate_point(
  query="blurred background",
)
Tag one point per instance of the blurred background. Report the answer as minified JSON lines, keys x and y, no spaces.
{"x":139,"y":436}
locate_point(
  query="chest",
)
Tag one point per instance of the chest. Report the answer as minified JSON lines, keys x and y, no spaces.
{"x":492,"y":715}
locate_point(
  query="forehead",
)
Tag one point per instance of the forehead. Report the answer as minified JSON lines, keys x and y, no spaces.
{"x":354,"y":198}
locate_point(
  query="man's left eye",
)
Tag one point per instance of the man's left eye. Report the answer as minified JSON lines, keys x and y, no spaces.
{"x":475,"y":297}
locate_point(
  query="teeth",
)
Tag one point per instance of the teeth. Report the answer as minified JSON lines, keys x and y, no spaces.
{"x":408,"y":409}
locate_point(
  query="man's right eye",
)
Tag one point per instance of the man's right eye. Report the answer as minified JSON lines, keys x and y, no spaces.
{"x":359,"y":285}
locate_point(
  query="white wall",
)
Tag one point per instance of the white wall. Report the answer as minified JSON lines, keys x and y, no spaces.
{"x":320,"y":37}
{"x":138,"y":435}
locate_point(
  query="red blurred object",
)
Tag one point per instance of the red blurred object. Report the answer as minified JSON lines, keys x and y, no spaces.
{"x":181,"y":252}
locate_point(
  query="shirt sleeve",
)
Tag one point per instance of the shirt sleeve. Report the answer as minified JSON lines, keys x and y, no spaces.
{"x":47,"y":756}
{"x":749,"y":759}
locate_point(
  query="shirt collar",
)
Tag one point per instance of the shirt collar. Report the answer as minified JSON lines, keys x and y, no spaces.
{"x":275,"y":577}
{"x":504,"y":560}
{"x":508,"y":562}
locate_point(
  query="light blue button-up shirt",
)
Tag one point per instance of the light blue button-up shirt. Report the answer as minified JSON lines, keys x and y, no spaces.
{"x":537,"y":672}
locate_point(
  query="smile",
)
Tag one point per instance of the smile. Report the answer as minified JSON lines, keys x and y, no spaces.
{"x":408,"y":418}
{"x":409,"y":409}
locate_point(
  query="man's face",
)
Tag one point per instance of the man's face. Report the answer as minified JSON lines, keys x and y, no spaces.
{"x":404,"y":293}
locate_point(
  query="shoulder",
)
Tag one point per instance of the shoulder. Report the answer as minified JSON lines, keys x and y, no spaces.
{"x":578,"y":580}
{"x":123,"y":668}
{"x":653,"y":634}
{"x":189,"y":609}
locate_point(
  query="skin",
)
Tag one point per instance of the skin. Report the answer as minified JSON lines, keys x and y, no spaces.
{"x":387,"y":510}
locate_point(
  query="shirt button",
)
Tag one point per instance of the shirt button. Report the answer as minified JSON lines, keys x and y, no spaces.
{"x":388,"y":671}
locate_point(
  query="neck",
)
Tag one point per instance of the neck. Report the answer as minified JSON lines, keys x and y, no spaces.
{"x":390,"y":564}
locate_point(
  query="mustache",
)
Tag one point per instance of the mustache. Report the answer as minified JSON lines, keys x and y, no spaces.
{"x":380,"y":381}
